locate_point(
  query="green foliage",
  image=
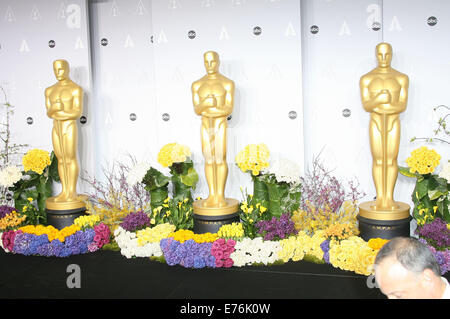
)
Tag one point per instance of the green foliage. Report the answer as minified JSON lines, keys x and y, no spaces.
{"x":39,"y":188}
{"x":252,"y":210}
{"x":431,"y":197}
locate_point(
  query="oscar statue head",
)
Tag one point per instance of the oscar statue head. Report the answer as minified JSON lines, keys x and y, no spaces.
{"x":384,"y":54}
{"x":211,"y":62}
{"x":61,"y":69}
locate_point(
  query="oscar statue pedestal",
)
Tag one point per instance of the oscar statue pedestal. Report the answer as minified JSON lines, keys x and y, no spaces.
{"x":62,"y":214}
{"x":386,"y":224}
{"x":210,"y":219}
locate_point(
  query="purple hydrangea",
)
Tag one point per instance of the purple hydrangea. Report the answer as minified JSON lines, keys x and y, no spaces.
{"x":189,"y":254}
{"x":276,"y":228}
{"x":6,"y":210}
{"x":436,"y":234}
{"x":135,"y":221}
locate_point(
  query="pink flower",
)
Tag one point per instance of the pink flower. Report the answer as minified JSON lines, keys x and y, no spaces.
{"x":231,"y":243}
{"x":97,"y":238}
{"x":219,"y":254}
{"x":221,"y":241}
{"x":219,"y":263}
{"x":228,"y":263}
{"x":92,"y":247}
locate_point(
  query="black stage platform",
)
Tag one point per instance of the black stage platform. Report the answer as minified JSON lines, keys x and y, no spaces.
{"x":107,"y":274}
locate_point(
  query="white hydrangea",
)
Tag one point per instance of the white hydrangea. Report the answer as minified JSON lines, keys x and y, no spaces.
{"x":445,"y":172}
{"x":10,"y":175}
{"x":128,"y":244}
{"x":285,"y":171}
{"x":249,"y":251}
{"x":137,"y":173}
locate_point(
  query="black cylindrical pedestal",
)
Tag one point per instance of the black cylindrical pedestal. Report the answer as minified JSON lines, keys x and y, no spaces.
{"x":211,"y":224}
{"x":386,"y":229}
{"x":63,"y":218}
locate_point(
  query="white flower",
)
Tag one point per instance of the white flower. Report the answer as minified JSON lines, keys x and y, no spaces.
{"x":445,"y":173}
{"x":285,"y":171}
{"x":137,"y":173}
{"x":9,"y":176}
{"x":249,"y":251}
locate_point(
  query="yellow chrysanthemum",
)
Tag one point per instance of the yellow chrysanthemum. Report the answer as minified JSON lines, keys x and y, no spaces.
{"x":182,"y":235}
{"x":51,"y":232}
{"x":173,"y":153}
{"x":36,"y":160}
{"x":254,"y":158}
{"x":423,"y":160}
{"x":377,"y":243}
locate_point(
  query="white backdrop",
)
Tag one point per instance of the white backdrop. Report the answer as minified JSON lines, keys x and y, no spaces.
{"x":284,"y":55}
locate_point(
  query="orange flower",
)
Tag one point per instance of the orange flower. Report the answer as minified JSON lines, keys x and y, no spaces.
{"x":377,"y":243}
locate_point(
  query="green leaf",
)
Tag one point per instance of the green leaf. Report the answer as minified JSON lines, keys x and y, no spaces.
{"x":260,"y":191}
{"x":155,"y":179}
{"x":406,"y":172}
{"x":422,"y":188}
{"x":191,"y":178}
{"x":435,"y":194}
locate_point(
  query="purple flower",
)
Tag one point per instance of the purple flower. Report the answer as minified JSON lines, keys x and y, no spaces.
{"x":435,"y":233}
{"x":135,"y":221}
{"x":6,"y":210}
{"x":276,"y":228}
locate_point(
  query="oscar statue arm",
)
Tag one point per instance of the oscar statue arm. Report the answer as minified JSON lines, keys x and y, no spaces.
{"x":371,"y":104}
{"x":227,"y":108}
{"x":77,"y":108}
{"x":400,"y":106}
{"x":51,"y":107}
{"x":199,"y":107}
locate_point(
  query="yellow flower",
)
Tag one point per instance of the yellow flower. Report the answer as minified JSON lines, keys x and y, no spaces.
{"x":254,"y":158}
{"x":173,"y":153}
{"x":36,"y":160}
{"x":234,"y":230}
{"x":155,"y":234}
{"x":423,"y":160}
{"x":30,"y":199}
{"x":11,"y":220}
{"x":377,"y":243}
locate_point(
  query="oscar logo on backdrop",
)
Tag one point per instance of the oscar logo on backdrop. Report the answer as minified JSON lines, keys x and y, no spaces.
{"x":64,"y":103}
{"x":384,"y":94}
{"x":213,"y":99}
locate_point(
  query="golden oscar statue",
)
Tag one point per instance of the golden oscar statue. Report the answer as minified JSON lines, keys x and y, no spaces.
{"x":384,"y":94}
{"x":213,"y":99}
{"x":64,"y":103}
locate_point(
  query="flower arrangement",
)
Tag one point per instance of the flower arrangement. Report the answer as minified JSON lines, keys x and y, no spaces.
{"x":291,"y":249}
{"x":48,"y":241}
{"x":178,"y":213}
{"x":40,"y":171}
{"x":353,"y":254}
{"x":341,"y":231}
{"x":88,"y":221}
{"x":36,"y":160}
{"x":436,"y":234}
{"x":442,"y":256}
{"x":231,"y":231}
{"x":34,"y":215}
{"x":423,"y":161}
{"x":155,"y":234}
{"x":314,"y":219}
{"x":135,"y":221}
{"x":253,"y":158}
{"x":255,"y":251}
{"x":9,"y":176}
{"x":6,"y":210}
{"x":129,"y":245}
{"x":321,"y":191}
{"x":183,"y":235}
{"x":188,"y":254}
{"x":11,"y":221}
{"x":431,"y":193}
{"x":221,"y":250}
{"x":251,"y":212}
{"x":173,"y":153}
{"x":276,"y":228}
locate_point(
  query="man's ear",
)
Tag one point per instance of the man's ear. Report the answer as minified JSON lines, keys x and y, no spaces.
{"x":428,"y":276}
